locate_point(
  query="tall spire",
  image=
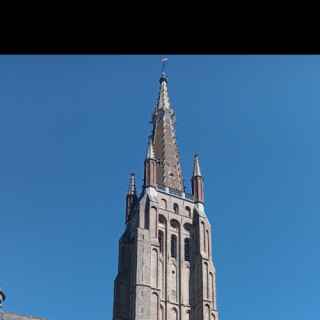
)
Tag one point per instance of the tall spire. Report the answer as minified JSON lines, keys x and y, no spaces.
{"x":132,"y":184}
{"x":150,"y":167}
{"x":197,"y":181}
{"x":196,"y":166}
{"x":131,"y":197}
{"x":169,"y":171}
{"x":163,"y":66}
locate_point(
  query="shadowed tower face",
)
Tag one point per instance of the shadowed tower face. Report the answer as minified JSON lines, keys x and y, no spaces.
{"x":165,"y":269}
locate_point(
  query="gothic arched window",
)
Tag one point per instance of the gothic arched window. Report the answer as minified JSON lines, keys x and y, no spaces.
{"x":146,"y":216}
{"x":208,"y":242}
{"x":174,"y":224}
{"x":187,"y":249}
{"x":160,"y":237}
{"x":174,"y":314}
{"x":188,"y":211}
{"x":174,"y":246}
{"x":204,"y":236}
{"x":164,"y":203}
{"x":162,"y":220}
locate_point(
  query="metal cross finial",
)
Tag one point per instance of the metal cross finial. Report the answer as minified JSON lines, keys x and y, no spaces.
{"x":163,"y":61}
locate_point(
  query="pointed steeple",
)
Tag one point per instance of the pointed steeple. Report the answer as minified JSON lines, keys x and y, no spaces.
{"x":131,"y":198}
{"x":150,"y":167}
{"x":169,"y":171}
{"x":197,"y":181}
{"x":196,"y":166}
{"x":132,"y":184}
{"x":163,"y":73}
{"x":164,"y":101}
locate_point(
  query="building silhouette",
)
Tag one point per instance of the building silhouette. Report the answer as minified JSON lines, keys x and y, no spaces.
{"x":165,"y":269}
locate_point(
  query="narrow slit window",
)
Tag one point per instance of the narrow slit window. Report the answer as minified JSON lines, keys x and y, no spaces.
{"x":188,"y":211}
{"x":160,"y":237}
{"x":174,"y":246}
{"x":187,"y":249}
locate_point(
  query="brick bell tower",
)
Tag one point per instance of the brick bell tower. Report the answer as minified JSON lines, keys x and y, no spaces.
{"x":165,"y":270}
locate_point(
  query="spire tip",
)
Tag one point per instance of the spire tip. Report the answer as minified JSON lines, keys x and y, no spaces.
{"x":196,"y":166}
{"x":163,"y":76}
{"x":132,"y":184}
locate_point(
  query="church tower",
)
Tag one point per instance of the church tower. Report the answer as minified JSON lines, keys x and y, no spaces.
{"x":165,"y":270}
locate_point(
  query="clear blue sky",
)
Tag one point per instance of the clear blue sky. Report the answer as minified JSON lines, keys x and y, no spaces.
{"x":72,"y":129}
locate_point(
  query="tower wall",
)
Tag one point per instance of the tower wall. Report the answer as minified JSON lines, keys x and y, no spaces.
{"x":160,"y":282}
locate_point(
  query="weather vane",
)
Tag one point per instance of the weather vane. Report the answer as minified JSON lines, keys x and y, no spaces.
{"x":163,"y":61}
